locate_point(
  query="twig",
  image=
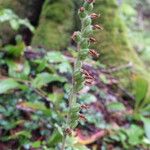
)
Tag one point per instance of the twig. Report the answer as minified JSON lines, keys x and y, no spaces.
{"x":116,"y":69}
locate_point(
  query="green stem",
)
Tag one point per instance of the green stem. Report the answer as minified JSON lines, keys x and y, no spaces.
{"x":72,"y":99}
{"x":64,"y":143}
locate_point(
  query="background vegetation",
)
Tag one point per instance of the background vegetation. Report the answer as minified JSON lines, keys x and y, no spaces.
{"x":35,"y":81}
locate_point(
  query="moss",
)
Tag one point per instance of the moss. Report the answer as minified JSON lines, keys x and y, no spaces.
{"x":55,"y":24}
{"x":23,"y":9}
{"x":113,"y":45}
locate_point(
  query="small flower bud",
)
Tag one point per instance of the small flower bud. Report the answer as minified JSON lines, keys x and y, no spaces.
{"x":96,"y":26}
{"x":94,"y":16}
{"x":92,"y":40}
{"x":68,"y":131}
{"x":84,"y":106}
{"x":82,"y":117}
{"x":89,"y":83}
{"x":76,"y":36}
{"x":86,"y":73}
{"x":81,"y":12}
{"x":93,"y":53}
{"x":89,"y":78}
{"x":82,"y":9}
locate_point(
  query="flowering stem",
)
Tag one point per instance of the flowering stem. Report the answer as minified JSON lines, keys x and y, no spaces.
{"x":80,"y":76}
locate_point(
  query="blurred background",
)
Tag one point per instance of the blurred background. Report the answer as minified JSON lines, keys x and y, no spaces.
{"x":36,"y":56}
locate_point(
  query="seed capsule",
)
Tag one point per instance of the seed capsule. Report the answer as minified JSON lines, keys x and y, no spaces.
{"x":93,"y":53}
{"x":97,"y":27}
{"x":76,"y":36}
{"x":92,"y":40}
{"x":82,"y":117}
{"x":84,"y":106}
{"x":94,"y":16}
{"x":68,"y":131}
{"x":82,"y":13}
{"x":82,"y":9}
{"x":85,"y":72}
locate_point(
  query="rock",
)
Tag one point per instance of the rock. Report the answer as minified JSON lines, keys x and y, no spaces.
{"x":24,"y":9}
{"x":55,"y":25}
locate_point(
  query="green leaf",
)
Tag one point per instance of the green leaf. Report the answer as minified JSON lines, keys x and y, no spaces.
{"x":45,"y":78}
{"x":36,"y":144}
{"x":54,"y":139}
{"x":55,"y":57}
{"x":87,"y":98}
{"x":140,"y":89}
{"x":38,"y":106}
{"x":14,"y":20}
{"x":16,"y":50}
{"x":56,"y":98}
{"x":128,"y":10}
{"x":146,"y":122}
{"x":135,"y":134}
{"x":8,"y":84}
{"x":18,"y":70}
{"x":20,"y":134}
{"x":64,"y":67}
{"x":116,"y":106}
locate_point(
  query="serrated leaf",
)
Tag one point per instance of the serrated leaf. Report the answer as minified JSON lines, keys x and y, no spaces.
{"x":45,"y":78}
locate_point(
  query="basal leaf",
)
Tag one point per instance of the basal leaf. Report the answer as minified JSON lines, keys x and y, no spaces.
{"x":45,"y":78}
{"x":55,"y":57}
{"x":8,"y":84}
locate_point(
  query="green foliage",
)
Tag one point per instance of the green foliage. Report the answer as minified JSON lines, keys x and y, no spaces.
{"x":34,"y":91}
{"x":45,"y":78}
{"x":141,"y":89}
{"x":55,"y":25}
{"x":14,"y":20}
{"x":116,"y":106}
{"x":9,"y":84}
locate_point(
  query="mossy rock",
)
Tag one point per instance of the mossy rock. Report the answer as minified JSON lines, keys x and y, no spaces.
{"x":113,"y":44}
{"x":55,"y":24}
{"x":24,"y":9}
